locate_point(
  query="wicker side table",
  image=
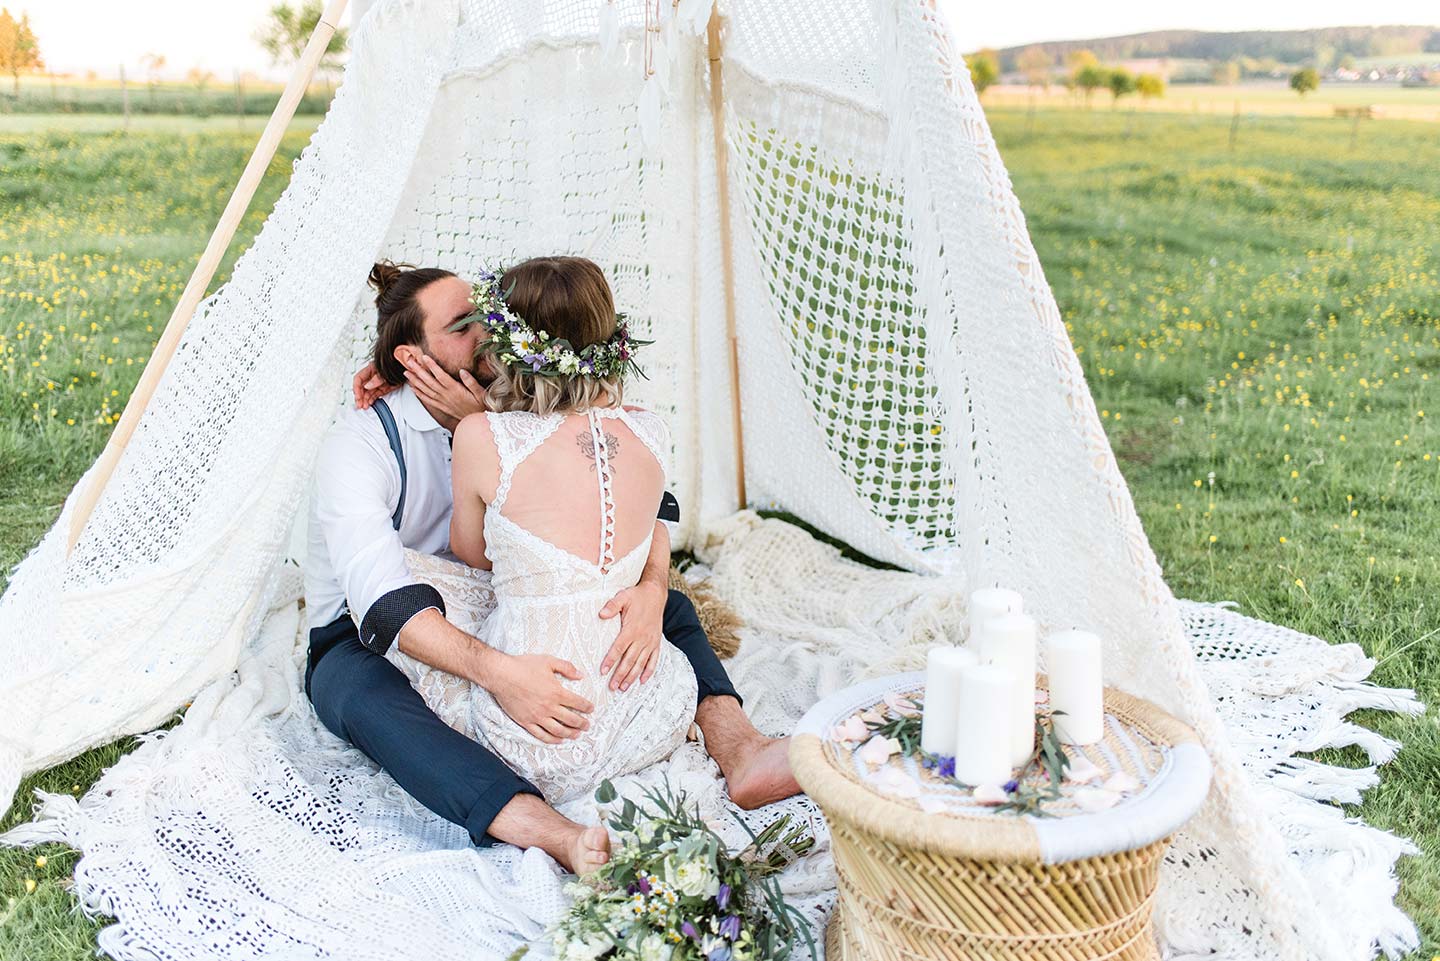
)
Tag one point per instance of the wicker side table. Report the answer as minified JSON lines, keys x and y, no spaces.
{"x":966,"y":883}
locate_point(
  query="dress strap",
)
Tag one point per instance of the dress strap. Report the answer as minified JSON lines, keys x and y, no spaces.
{"x":517,"y":435}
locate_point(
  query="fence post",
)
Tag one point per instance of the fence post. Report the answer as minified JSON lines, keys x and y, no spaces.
{"x":125,"y":96}
{"x":239,"y":101}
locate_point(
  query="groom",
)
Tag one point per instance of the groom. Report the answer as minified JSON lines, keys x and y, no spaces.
{"x":382,"y":485}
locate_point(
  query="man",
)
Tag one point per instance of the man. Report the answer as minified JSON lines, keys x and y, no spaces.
{"x":366,"y":511}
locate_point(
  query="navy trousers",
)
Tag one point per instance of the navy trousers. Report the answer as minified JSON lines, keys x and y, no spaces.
{"x":364,"y":699}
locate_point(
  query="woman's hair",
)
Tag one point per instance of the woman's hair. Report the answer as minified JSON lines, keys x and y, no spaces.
{"x":400,"y":320}
{"x":568,"y":298}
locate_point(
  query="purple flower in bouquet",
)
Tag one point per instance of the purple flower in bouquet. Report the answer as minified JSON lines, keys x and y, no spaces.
{"x":730,"y":927}
{"x":1012,"y":786}
{"x":721,"y":953}
{"x":689,"y":931}
{"x":643,"y":884}
{"x":722,"y":897}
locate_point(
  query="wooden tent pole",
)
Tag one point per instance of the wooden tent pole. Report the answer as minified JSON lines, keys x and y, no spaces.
{"x":727,"y":250}
{"x":205,"y":270}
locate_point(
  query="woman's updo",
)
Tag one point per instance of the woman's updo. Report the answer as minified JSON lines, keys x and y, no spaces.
{"x":568,"y":298}
{"x":399,"y":320}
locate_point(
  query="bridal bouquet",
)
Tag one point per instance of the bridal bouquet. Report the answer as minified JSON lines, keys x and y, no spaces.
{"x":671,"y":891}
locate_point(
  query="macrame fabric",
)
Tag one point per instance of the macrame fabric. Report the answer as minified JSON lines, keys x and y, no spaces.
{"x":908,"y":387}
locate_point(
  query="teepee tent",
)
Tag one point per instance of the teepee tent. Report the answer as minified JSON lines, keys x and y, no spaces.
{"x":811,"y":184}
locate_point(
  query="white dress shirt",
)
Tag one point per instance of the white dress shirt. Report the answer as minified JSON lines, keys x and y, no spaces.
{"x":355,"y":553}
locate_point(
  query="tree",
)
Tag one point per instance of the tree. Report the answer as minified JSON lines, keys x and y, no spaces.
{"x":1225,"y":74}
{"x":984,"y":70}
{"x":153,"y":64}
{"x":1090,"y":79}
{"x":19,"y":50}
{"x":199,"y":78}
{"x":1077,"y":60}
{"x":1121,"y":82}
{"x":1150,"y":85}
{"x":288,"y":30}
{"x":1304,"y":81}
{"x":1035,"y":64}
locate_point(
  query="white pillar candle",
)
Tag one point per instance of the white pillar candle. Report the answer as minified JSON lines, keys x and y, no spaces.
{"x":942,"y":697}
{"x":1072,"y":660}
{"x":990,"y":602}
{"x":1008,"y":641}
{"x":982,"y":730}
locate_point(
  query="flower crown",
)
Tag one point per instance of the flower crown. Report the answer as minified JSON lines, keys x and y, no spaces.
{"x":519,"y":345}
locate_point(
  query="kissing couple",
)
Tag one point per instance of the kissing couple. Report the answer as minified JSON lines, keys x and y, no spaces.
{"x":487,"y":576}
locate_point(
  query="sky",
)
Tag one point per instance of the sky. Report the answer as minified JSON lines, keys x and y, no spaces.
{"x":218,"y":35}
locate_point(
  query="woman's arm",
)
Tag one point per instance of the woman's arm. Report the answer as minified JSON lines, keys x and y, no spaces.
{"x":472,"y":458}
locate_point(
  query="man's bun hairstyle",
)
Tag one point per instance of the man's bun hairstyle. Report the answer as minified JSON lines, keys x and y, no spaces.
{"x":399,"y":319}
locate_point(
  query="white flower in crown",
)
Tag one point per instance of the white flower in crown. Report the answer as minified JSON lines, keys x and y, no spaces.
{"x":517,"y":344}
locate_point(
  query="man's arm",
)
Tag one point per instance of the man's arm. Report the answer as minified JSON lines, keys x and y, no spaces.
{"x":355,"y":491}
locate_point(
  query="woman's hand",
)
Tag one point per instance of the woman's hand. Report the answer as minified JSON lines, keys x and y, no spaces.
{"x":641,"y":610}
{"x":369,"y":387}
{"x":444,"y":395}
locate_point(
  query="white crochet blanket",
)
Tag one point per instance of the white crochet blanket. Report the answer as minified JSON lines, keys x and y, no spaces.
{"x":248,"y":831}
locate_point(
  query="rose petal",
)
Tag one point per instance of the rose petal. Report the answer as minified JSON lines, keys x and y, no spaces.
{"x":872,"y":716}
{"x":990,"y":794}
{"x":1082,"y":770}
{"x":895,"y":782}
{"x":878,"y":749}
{"x":902,"y":706}
{"x":1093,"y":799}
{"x":1121,"y":783}
{"x":851,"y":729}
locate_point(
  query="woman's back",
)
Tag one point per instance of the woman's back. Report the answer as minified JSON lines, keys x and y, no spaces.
{"x":571,"y":498}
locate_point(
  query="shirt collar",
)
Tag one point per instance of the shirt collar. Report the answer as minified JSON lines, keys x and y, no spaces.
{"x":408,"y":408}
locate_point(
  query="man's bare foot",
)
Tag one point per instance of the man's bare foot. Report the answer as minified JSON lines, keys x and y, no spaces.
{"x":761,"y":775}
{"x":586,"y":851}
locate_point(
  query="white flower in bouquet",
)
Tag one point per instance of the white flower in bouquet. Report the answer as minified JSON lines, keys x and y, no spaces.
{"x":654,"y":948}
{"x":583,"y":949}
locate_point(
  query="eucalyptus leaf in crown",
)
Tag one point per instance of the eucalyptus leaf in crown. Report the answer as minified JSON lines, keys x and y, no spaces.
{"x":513,"y":342}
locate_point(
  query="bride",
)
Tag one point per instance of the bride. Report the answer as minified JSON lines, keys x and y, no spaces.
{"x":556,"y":487}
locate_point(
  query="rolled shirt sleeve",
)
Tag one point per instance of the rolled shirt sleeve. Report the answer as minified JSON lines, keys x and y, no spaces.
{"x":357,"y":487}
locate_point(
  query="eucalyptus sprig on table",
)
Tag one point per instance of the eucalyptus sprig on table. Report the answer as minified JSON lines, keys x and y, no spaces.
{"x":1026,"y":796}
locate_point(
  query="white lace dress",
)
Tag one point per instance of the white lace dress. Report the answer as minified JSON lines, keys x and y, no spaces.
{"x":540,"y":598}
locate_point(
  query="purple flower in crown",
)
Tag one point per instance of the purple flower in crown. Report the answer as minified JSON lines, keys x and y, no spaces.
{"x":946,"y":767}
{"x":722,"y":897}
{"x":730,"y":927}
{"x":496,"y":315}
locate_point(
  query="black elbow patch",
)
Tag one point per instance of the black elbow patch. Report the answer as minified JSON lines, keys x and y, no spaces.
{"x":669,"y":508}
{"x":392,"y":611}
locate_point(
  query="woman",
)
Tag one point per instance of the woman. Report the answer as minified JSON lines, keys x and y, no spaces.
{"x":555,"y":490}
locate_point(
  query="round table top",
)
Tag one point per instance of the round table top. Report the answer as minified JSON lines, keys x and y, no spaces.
{"x":1141,"y":783}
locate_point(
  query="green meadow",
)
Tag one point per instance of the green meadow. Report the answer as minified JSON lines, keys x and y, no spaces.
{"x":1259,"y":324}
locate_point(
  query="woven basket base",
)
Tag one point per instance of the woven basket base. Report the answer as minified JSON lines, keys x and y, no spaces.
{"x":905,"y":904}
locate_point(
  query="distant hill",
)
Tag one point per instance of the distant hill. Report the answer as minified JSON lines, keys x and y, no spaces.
{"x":1284,"y":46}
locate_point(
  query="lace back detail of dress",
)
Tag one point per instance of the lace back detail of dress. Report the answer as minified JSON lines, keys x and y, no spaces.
{"x":605,"y":476}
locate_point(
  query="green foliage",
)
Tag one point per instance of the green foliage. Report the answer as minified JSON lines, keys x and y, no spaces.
{"x":288,"y":28}
{"x":1036,"y":65}
{"x":1305,"y":80}
{"x":1121,"y":83}
{"x":1091,"y":78}
{"x":1150,"y":85}
{"x":19,"y":49}
{"x":984,"y":69}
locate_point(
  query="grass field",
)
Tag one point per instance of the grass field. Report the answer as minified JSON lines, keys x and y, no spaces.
{"x":1260,"y":328}
{"x":1264,"y":98}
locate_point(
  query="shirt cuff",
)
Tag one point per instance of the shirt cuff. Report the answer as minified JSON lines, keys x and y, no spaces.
{"x":393,"y":611}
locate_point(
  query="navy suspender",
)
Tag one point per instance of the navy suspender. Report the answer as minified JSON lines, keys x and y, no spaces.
{"x":387,"y":420}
